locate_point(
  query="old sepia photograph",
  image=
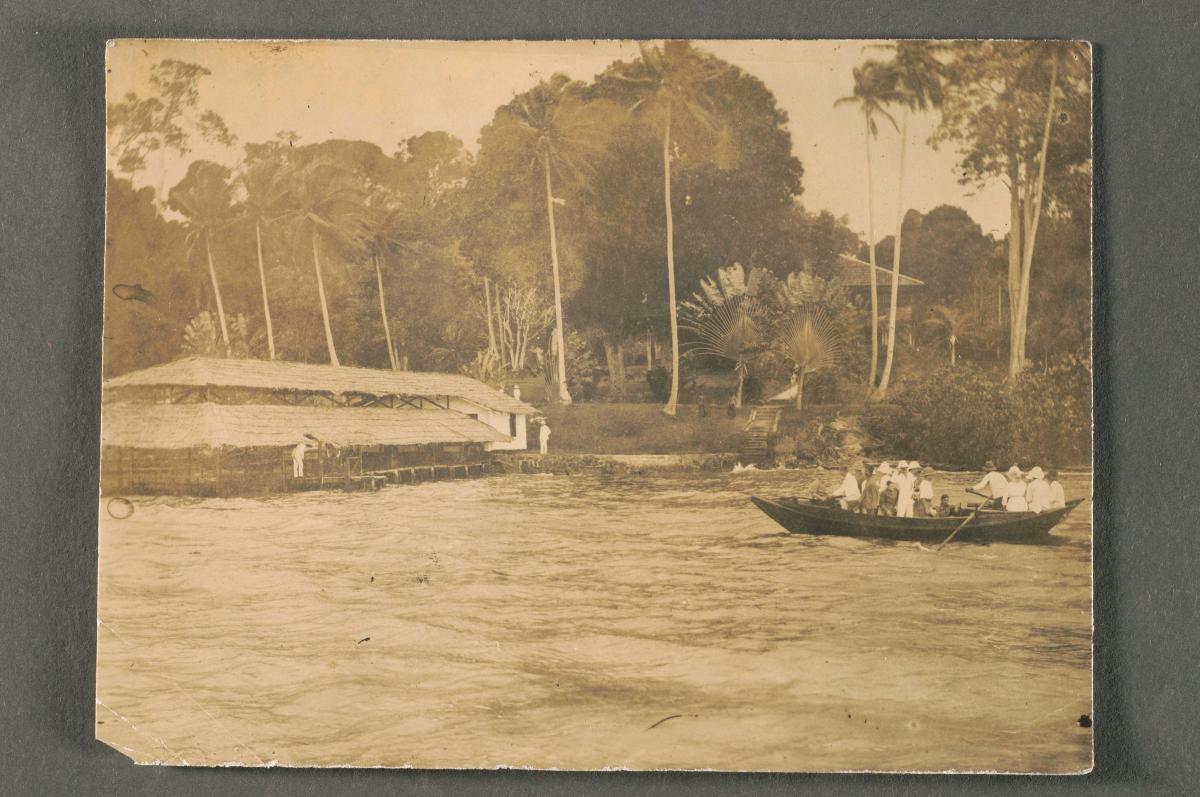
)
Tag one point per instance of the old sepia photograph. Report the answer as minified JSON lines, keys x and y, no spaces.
{"x":589,"y":405}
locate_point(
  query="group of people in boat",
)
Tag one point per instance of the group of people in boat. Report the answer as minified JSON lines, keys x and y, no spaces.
{"x":907,"y":490}
{"x":1019,"y":491}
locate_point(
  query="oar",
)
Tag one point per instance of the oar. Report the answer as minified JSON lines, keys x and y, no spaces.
{"x":970,"y":517}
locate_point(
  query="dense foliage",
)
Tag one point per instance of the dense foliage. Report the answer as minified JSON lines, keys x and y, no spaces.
{"x":431,"y":256}
{"x":962,"y":416}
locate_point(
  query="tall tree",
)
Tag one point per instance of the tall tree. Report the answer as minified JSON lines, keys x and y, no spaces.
{"x":386,"y":228}
{"x":163,"y":121}
{"x":671,"y":84}
{"x":1019,"y":114}
{"x":327,"y":208}
{"x":874,"y":88}
{"x":266,"y":185}
{"x":560,"y":134}
{"x":918,"y":75}
{"x":204,"y":197}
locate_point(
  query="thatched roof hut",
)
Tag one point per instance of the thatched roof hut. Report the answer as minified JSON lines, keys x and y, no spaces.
{"x":177,"y":426}
{"x":277,"y":375}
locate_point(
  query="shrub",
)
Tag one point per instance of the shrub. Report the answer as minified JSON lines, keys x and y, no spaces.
{"x":963,"y":416}
{"x":658,"y":379}
{"x":1055,"y":408}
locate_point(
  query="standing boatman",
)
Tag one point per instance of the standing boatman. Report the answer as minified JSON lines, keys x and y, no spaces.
{"x":848,"y":493}
{"x":993,"y":481}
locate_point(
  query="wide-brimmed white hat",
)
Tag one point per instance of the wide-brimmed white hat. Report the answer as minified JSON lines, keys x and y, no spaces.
{"x":884,"y":468}
{"x":1015,"y":471}
{"x":1035,"y":473}
{"x":902,"y":464}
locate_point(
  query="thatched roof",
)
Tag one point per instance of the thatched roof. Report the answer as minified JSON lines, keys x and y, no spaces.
{"x":246,"y":425}
{"x":279,"y":375}
{"x":855,"y":273}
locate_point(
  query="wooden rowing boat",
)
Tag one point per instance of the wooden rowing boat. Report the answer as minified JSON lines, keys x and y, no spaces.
{"x":803,"y":516}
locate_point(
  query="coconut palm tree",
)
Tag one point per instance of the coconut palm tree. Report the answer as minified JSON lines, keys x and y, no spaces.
{"x":266,"y":186}
{"x":811,"y":342}
{"x":205,"y":199}
{"x":951,"y":322}
{"x":918,"y":76}
{"x":561,"y":134}
{"x":671,"y":83}
{"x":385,"y":229}
{"x":327,"y":207}
{"x":874,"y":88}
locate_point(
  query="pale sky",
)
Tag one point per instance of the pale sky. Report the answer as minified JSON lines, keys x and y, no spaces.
{"x":384,"y":92}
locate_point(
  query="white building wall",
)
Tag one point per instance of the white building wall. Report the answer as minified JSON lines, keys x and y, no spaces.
{"x":500,"y":421}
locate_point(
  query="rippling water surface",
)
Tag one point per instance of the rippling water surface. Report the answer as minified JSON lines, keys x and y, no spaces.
{"x":557,"y":621}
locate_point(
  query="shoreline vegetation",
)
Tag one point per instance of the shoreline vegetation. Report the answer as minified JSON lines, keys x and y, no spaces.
{"x":629,"y":247}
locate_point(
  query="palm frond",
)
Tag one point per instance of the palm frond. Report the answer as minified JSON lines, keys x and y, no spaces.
{"x":810,"y":340}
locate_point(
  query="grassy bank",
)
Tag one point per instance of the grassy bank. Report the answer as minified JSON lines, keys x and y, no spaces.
{"x":606,"y":428}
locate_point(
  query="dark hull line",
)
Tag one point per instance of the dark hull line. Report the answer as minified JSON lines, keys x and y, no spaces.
{"x":802,"y":517}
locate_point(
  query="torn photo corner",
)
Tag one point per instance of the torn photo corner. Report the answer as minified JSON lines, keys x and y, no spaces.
{"x":690,"y":405}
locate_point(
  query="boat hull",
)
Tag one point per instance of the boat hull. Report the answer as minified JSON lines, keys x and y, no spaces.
{"x":803,"y":517}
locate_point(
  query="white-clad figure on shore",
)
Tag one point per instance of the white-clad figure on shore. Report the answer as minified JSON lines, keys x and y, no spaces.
{"x":1014,"y":500}
{"x":544,"y":438}
{"x":1037,"y":492}
{"x":298,"y":458}
{"x":904,"y":483}
{"x":993,"y":482}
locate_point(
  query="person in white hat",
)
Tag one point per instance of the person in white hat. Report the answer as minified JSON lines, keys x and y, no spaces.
{"x":904,"y":483}
{"x":924,"y":507}
{"x":1037,"y":491}
{"x":1014,"y":497}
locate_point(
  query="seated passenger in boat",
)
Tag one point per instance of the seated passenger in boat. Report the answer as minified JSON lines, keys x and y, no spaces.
{"x":871,"y":486}
{"x":944,"y":509}
{"x":924,"y":506}
{"x":1058,"y":498}
{"x":1014,"y":496}
{"x":888,"y":499}
{"x":848,"y":493}
{"x":1037,"y":491}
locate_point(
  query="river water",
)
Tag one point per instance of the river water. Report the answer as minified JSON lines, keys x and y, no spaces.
{"x":557,"y":621}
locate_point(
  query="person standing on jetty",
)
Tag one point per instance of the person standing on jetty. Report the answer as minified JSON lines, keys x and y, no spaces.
{"x":544,"y":437}
{"x":298,"y":458}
